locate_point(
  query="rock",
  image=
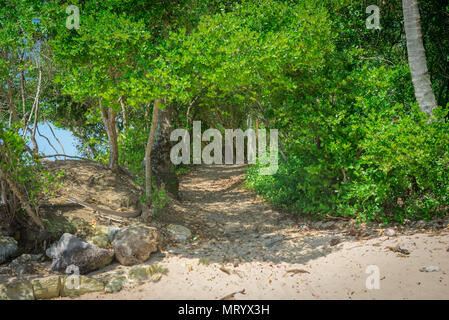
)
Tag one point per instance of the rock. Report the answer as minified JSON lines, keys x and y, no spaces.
{"x":133,"y":245}
{"x":334,"y":242}
{"x":4,"y":232}
{"x":25,"y":264}
{"x":84,"y":285}
{"x":328,"y":225}
{"x":317,"y":225}
{"x":8,"y":248}
{"x":180,"y":232}
{"x":112,"y":231}
{"x":47,"y":288}
{"x":106,"y":231}
{"x":438,"y":224}
{"x":100,"y":240}
{"x":390,"y":232}
{"x":340,"y":224}
{"x":429,"y":269}
{"x":71,"y":250}
{"x":4,"y":269}
{"x":21,"y":290}
{"x":421,"y":224}
{"x":115,"y":284}
{"x":138,"y":273}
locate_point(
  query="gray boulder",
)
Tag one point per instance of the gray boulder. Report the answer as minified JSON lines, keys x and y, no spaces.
{"x":112,"y":231}
{"x":8,"y":248}
{"x":71,"y":250}
{"x":181,"y":233}
{"x":133,"y":245}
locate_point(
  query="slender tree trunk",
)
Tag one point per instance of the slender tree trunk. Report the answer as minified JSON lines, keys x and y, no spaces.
{"x":23,"y":201}
{"x":109,"y":119}
{"x":125,"y":115}
{"x":36,"y":113}
{"x":150,"y":141}
{"x":257,"y":129}
{"x":417,"y":57}
{"x":12,"y":107}
{"x":22,"y":92}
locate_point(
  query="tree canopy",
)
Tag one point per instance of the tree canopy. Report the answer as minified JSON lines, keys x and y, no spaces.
{"x":353,"y":138}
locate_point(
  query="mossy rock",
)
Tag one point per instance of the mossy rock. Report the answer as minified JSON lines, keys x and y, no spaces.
{"x":139,"y":274}
{"x":72,"y":287}
{"x":143,"y":273}
{"x":21,"y":290}
{"x":115,"y":283}
{"x":100,"y":240}
{"x":47,"y":288}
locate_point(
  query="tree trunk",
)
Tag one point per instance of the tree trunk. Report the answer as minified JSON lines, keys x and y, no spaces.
{"x":12,"y":107}
{"x":36,"y":113}
{"x":417,"y":57}
{"x":25,"y":204}
{"x":124,"y":114}
{"x":148,"y":185}
{"x":109,"y":119}
{"x":158,"y":152}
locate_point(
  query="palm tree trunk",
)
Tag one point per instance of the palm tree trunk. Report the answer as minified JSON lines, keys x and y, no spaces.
{"x":417,"y":57}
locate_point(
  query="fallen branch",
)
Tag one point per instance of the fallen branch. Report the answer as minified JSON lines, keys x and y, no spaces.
{"x":133,"y":214}
{"x":231,"y":296}
{"x":64,"y":155}
{"x":110,"y":219}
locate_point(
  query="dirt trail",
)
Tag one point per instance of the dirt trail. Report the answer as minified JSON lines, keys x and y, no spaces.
{"x":243,"y":243}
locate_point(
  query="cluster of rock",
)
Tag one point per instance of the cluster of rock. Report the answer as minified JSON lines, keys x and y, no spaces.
{"x":8,"y":248}
{"x":75,"y":257}
{"x":436,"y":224}
{"x":130,"y":246}
{"x":73,"y":285}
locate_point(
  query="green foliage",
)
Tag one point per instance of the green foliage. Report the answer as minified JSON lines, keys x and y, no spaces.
{"x":360,"y":148}
{"x":32,"y":179}
{"x":374,"y":160}
{"x":402,"y":172}
{"x":340,"y":94}
{"x":17,"y":162}
{"x":158,"y":200}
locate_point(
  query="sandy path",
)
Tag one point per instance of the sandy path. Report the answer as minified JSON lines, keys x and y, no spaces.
{"x":251,"y":246}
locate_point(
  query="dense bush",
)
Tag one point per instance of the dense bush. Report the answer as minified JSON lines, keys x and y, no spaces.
{"x":379,"y":160}
{"x":360,"y":147}
{"x":18,"y":164}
